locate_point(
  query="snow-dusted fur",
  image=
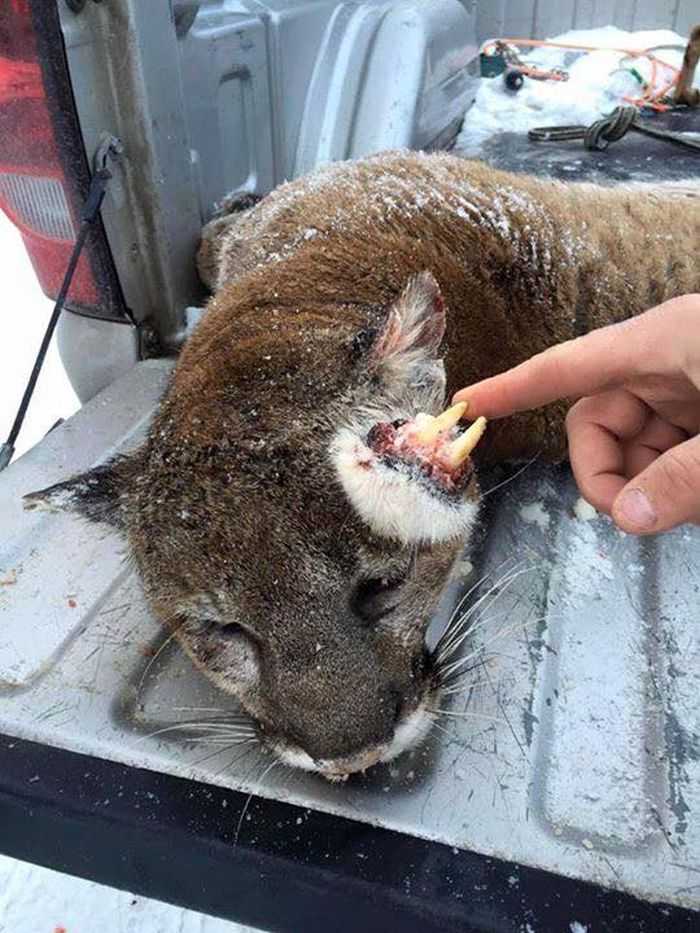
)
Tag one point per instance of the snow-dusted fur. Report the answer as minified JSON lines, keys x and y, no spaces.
{"x":331,"y":299}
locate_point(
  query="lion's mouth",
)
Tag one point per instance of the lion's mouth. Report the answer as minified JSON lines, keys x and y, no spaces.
{"x":409,"y":733}
{"x":431,"y":448}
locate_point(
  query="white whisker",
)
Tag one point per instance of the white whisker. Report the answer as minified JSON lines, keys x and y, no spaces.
{"x":455,"y":665}
{"x":440,"y":728}
{"x":466,"y":715}
{"x":250,"y":797}
{"x":198,"y":727}
{"x":464,"y":688}
{"x":451,"y":625}
{"x":224,"y":744}
{"x":155,"y":658}
{"x":216,"y":724}
{"x":502,"y":586}
{"x":487,"y":619}
{"x":510,"y":479}
{"x":239,"y":756}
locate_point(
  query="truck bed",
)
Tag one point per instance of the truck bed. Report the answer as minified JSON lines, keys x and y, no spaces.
{"x":561,"y":791}
{"x":576,"y":753}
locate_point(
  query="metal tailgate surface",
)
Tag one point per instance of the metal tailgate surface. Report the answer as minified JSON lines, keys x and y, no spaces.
{"x":574,"y":747}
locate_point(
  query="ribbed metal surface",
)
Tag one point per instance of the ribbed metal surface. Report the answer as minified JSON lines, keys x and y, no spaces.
{"x":38,"y":203}
{"x":542,"y":18}
{"x":574,"y":745}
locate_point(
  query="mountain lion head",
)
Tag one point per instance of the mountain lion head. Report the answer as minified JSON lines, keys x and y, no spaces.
{"x":295,"y":512}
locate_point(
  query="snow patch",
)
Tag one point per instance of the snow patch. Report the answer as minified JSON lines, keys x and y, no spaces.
{"x":596,"y":84}
{"x":37,"y":900}
{"x":193,"y":316}
{"x":584,"y":511}
{"x":535,"y":513}
{"x":464,"y":569}
{"x":27,"y":311}
{"x":588,"y":568}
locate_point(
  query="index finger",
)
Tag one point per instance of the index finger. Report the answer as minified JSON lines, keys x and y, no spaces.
{"x":584,"y":366}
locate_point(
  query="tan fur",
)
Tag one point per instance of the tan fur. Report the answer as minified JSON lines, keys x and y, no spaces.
{"x":323,"y":322}
{"x":522,"y":263}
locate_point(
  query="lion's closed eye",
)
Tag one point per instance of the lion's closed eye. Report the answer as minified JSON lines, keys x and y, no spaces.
{"x":376,"y":597}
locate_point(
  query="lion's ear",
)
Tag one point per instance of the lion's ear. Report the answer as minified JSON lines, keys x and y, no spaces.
{"x":414,"y":327}
{"x":404,"y":357}
{"x":99,"y":494}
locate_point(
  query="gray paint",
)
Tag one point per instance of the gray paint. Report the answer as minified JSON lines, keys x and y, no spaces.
{"x":687,"y":15}
{"x":226,"y":95}
{"x":94,"y":353}
{"x":124,"y":69}
{"x":542,"y":18}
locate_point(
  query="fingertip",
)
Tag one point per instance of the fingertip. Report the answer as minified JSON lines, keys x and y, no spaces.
{"x":634,"y":512}
{"x":478,"y":402}
{"x":664,"y":495}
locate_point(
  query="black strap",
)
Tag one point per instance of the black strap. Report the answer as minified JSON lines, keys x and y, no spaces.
{"x":547,"y":134}
{"x":109,"y":148}
{"x":610,"y":129}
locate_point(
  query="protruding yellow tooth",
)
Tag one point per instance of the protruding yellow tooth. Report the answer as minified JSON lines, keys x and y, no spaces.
{"x":460,"y":449}
{"x":448,"y":419}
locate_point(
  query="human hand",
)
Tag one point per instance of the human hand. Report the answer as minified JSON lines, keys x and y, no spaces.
{"x":633,"y":433}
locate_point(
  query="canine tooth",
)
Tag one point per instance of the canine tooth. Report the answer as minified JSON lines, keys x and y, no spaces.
{"x":460,"y":449}
{"x":448,"y":419}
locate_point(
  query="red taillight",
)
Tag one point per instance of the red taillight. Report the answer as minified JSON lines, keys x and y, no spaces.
{"x":38,"y":206}
{"x":34,"y":190}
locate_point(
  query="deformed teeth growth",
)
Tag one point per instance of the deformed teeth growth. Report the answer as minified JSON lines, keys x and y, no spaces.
{"x":459,"y":450}
{"x":444,"y":422}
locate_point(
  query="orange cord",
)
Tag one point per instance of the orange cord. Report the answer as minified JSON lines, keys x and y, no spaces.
{"x":560,"y":45}
{"x":648,"y":98}
{"x":531,"y":72}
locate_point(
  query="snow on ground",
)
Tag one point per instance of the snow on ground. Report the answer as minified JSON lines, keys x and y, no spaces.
{"x":25,"y":314}
{"x":595,"y":85}
{"x":34,"y":899}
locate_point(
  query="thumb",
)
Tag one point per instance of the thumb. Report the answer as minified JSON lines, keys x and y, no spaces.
{"x":664,"y":495}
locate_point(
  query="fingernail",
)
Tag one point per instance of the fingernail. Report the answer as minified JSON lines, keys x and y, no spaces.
{"x":635,"y":508}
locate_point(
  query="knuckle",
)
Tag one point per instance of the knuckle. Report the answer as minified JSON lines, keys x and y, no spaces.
{"x":588,"y":491}
{"x":590,"y":409}
{"x":580,"y":411}
{"x":588,"y":485}
{"x":571,"y":417}
{"x":592,"y":494}
{"x":680,"y":471}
